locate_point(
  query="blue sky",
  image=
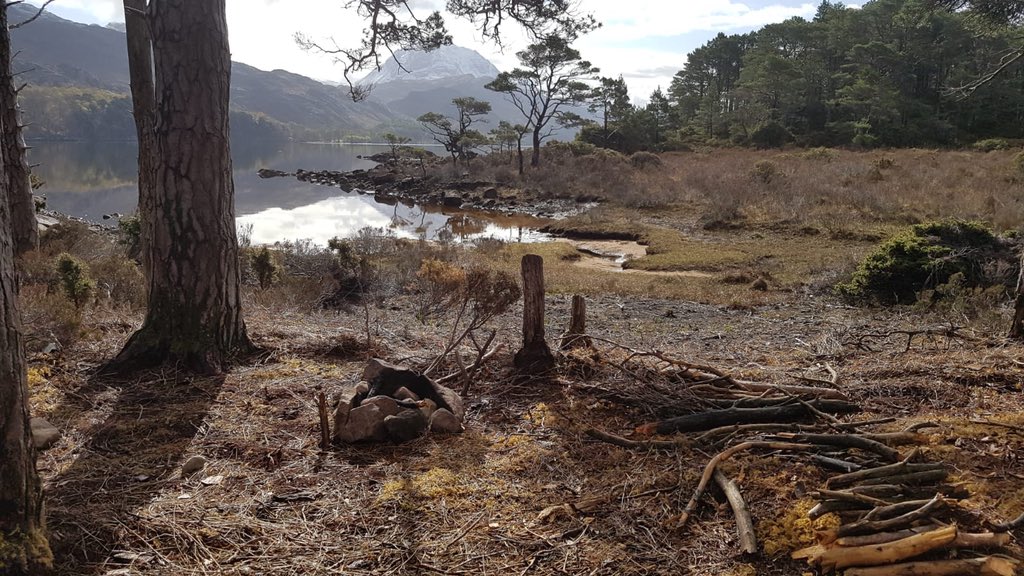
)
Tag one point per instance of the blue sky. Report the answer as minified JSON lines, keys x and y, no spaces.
{"x":646,"y":41}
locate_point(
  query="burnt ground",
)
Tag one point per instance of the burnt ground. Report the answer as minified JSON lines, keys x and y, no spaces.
{"x":271,"y":502}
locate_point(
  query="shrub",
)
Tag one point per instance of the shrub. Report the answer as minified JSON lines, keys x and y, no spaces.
{"x":643,"y":160}
{"x":129,"y":232}
{"x":883,"y":162}
{"x":820,"y":154}
{"x":770,"y":135}
{"x":1018,"y":163}
{"x":991,"y":145}
{"x":120,"y":278}
{"x":73,"y":275}
{"x":926,"y":255}
{"x":766,"y":171}
{"x":265,"y":267}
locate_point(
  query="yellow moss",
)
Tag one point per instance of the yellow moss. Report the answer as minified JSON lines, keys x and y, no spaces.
{"x":793,"y":529}
{"x":432,"y":484}
{"x":541,"y":415}
{"x":38,"y":375}
{"x":742,"y":570}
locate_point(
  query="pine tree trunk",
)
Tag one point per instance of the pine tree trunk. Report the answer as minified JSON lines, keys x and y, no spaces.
{"x":1017,"y":326}
{"x":23,"y":546}
{"x":195,"y":312}
{"x":535,"y":356}
{"x":24,"y":230}
{"x":140,"y":67}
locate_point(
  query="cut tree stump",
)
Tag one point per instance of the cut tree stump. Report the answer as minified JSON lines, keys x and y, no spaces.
{"x":534,"y":357}
{"x":576,"y":335}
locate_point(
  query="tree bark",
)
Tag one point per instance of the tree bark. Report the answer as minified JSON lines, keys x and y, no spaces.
{"x":140,"y":70}
{"x":534,"y":357}
{"x":1017,"y":327}
{"x":24,"y":230}
{"x":195,"y":313}
{"x":23,"y":546}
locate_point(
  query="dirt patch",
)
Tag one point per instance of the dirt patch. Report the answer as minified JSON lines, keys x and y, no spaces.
{"x":611,"y":255}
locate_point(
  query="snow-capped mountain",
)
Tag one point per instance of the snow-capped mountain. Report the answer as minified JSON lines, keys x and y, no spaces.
{"x":440,"y":64}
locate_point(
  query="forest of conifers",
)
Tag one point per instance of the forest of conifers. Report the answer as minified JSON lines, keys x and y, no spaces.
{"x":891,"y":73}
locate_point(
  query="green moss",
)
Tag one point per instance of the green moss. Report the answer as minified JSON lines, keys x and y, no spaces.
{"x":22,"y":553}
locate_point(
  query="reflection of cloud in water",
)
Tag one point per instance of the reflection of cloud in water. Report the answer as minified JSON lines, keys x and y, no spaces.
{"x":343,"y":216}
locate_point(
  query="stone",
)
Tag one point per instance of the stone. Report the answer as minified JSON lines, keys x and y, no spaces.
{"x":387,"y":405}
{"x":346,"y":402}
{"x":405,"y":426}
{"x":444,"y":421}
{"x":44,"y":434}
{"x":451,"y":202}
{"x":491,"y":194}
{"x":427,"y":408}
{"x":270,"y":173}
{"x":364,"y":423}
{"x":454,"y":401}
{"x":193,"y":465}
{"x":760,"y":285}
{"x":404,"y":393}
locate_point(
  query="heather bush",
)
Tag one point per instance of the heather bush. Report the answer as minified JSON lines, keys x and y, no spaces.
{"x":73,"y":276}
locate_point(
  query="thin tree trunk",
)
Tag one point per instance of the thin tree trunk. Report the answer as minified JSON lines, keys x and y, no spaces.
{"x":576,"y":335}
{"x":140,"y":67}
{"x":535,"y":159}
{"x":23,"y":546}
{"x":24,"y":230}
{"x":535,"y":356}
{"x":519,"y":148}
{"x":195,"y":312}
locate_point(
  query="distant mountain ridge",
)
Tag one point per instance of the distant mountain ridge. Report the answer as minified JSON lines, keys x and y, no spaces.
{"x":54,"y":52}
{"x":443,"y":63}
{"x":79,"y":89}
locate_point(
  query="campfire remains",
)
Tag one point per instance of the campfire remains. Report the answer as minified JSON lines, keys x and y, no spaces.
{"x":397,"y":404}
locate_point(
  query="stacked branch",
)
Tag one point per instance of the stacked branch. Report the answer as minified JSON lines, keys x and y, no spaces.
{"x":886,"y":526}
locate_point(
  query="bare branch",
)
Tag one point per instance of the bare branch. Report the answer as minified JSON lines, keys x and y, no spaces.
{"x":30,"y":20}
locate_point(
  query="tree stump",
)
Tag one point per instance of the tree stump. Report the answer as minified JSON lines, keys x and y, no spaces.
{"x":576,"y":335}
{"x":534,"y":357}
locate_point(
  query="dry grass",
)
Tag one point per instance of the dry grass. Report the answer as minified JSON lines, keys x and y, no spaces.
{"x":269,"y":501}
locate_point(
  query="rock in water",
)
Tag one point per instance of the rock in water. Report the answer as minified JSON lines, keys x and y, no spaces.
{"x":407,"y":425}
{"x":44,"y":434}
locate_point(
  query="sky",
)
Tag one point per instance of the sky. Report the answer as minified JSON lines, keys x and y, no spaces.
{"x":645,"y":41}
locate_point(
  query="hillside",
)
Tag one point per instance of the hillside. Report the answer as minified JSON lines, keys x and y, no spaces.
{"x":79,"y":75}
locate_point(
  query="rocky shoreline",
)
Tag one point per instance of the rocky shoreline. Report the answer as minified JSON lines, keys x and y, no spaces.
{"x":388,"y":185}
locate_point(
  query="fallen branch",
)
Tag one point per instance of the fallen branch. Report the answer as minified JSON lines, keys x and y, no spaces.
{"x":709,"y":470}
{"x":862,"y":527}
{"x":627,"y":443}
{"x":846,"y":441}
{"x":725,"y":417}
{"x":744,"y":523}
{"x":1015,"y":523}
{"x":897,"y":469}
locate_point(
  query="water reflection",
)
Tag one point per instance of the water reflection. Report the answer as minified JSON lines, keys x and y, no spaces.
{"x":343,"y":216}
{"x":92,"y":179}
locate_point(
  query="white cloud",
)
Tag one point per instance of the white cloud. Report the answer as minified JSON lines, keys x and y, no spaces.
{"x":262,"y":32}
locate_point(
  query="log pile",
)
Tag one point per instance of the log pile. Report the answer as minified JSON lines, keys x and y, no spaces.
{"x":888,"y":524}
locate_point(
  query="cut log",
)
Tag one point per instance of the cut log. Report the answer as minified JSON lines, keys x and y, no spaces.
{"x":883,"y":537}
{"x":831,"y":558}
{"x":988,"y":566}
{"x":744,"y":523}
{"x":576,"y":335}
{"x":727,"y":417}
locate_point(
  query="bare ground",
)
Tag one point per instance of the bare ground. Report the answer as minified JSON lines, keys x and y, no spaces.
{"x":270,"y":502}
